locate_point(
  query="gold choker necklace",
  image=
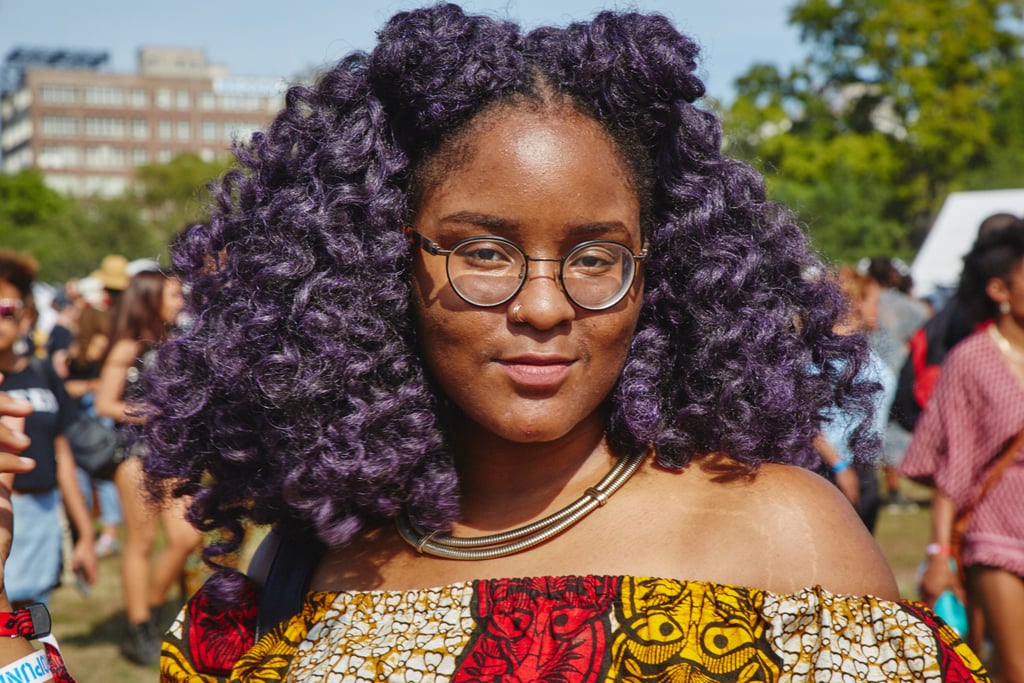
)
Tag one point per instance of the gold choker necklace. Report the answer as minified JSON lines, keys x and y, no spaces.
{"x":516,"y":540}
{"x":1004,"y":345}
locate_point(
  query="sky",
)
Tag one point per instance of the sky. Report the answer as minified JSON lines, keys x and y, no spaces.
{"x":282,"y":38}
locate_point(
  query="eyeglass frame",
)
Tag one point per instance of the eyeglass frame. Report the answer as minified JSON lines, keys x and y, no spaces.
{"x":434,"y":249}
{"x":15,"y":304}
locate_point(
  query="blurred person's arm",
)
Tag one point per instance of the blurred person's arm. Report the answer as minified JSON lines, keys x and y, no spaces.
{"x":846,"y":478}
{"x":938,"y":576}
{"x":83,"y":556}
{"x":113,"y":376}
{"x":12,"y":441}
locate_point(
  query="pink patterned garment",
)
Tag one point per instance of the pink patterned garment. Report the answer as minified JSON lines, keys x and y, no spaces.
{"x":976,"y":408}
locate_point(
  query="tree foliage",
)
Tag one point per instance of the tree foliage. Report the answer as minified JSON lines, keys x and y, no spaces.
{"x":897,"y":103}
{"x":70,"y":237}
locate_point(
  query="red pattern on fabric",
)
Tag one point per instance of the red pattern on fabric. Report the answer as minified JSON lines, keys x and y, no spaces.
{"x":217,"y":637}
{"x":977,"y":407}
{"x":547,"y":628}
{"x":953,"y":667}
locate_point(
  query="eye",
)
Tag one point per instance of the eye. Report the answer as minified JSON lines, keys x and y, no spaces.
{"x":595,"y":259}
{"x":486,"y":254}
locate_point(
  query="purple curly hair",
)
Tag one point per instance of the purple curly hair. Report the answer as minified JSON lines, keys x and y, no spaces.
{"x":298,"y":397}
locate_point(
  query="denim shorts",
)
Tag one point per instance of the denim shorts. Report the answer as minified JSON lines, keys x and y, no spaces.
{"x":33,"y":569}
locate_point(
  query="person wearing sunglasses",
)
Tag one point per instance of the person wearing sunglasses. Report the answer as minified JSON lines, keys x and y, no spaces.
{"x":34,"y":565}
{"x":517,"y":365}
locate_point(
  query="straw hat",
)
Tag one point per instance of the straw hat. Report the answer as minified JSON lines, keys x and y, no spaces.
{"x":113,"y":272}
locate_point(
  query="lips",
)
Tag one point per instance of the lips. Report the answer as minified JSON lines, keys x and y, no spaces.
{"x":537,"y":372}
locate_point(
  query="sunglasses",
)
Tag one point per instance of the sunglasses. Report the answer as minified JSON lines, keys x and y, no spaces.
{"x":10,"y":308}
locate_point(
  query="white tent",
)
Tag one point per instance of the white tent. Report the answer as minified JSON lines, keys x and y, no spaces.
{"x":940,"y":259}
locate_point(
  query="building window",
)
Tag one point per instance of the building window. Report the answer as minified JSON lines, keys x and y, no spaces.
{"x":207,"y":101}
{"x":104,"y":95}
{"x":183,"y":100}
{"x":140,"y":157}
{"x":104,"y":156}
{"x":163,"y":156}
{"x":184,"y":130}
{"x":57,"y":94}
{"x":207,"y":155}
{"x":65,"y":184}
{"x":105,"y":186}
{"x":59,"y":125}
{"x":139,"y":98}
{"x":208,"y":130}
{"x":163,"y":98}
{"x":59,"y":156}
{"x":163,"y":130}
{"x":104,"y":127}
{"x":140,"y":129}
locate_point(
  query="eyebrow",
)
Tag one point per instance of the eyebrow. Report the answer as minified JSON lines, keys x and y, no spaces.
{"x":506,"y":226}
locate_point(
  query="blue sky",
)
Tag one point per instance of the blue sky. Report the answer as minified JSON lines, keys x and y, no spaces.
{"x":282,"y":38}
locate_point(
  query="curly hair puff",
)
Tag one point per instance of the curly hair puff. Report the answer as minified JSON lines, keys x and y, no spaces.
{"x":298,"y":397}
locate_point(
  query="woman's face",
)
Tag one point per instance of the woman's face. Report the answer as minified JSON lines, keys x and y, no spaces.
{"x":12,"y":312}
{"x":171,"y":301}
{"x":546,"y":181}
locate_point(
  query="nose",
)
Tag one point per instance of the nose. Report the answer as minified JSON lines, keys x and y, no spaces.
{"x":541,"y":302}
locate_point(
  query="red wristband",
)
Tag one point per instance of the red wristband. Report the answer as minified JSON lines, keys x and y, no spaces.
{"x":938,"y":550}
{"x":31,"y":622}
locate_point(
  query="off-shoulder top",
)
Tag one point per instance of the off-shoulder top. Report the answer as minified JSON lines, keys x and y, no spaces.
{"x":570,"y":629}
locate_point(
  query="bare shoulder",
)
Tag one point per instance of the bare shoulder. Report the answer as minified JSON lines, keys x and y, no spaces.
{"x":781,"y":528}
{"x":123,"y":352}
{"x":822,"y":540}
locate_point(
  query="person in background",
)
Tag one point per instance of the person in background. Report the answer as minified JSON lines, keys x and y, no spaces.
{"x":33,"y":567}
{"x":857,"y":479}
{"x":975,"y":411}
{"x":142,"y":320}
{"x":899,"y":316}
{"x":519,"y":366}
{"x":933,"y":340}
{"x":87,"y":351}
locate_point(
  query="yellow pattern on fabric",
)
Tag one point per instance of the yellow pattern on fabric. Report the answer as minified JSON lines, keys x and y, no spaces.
{"x":688,"y":631}
{"x":661,"y":630}
{"x":373,"y":636}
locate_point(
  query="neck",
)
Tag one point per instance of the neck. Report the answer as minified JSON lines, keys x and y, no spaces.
{"x":506,"y":484}
{"x":1011,"y":331}
{"x":9,"y":361}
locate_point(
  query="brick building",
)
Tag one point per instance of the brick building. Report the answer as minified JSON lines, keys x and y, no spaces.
{"x":87,"y":128}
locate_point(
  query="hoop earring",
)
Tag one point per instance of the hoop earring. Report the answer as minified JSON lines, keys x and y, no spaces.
{"x":1004,"y":307}
{"x":517,"y":313}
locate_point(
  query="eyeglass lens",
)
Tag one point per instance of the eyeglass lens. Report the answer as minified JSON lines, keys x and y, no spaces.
{"x":488,"y":272}
{"x":9,"y":308}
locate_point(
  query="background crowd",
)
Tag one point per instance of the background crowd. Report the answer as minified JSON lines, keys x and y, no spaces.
{"x":90,"y":358}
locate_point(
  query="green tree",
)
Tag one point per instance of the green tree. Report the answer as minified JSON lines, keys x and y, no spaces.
{"x":897,"y":103}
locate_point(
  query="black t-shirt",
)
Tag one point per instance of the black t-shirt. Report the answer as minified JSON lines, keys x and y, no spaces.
{"x":59,"y":340}
{"x":52,"y":411}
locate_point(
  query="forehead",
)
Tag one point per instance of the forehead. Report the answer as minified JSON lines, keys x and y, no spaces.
{"x":9,"y":291}
{"x":523,"y":165}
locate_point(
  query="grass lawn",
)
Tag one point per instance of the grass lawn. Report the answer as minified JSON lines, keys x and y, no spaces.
{"x":90,"y":628}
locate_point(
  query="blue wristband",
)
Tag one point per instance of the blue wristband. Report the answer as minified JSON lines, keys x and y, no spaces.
{"x":840,"y":466}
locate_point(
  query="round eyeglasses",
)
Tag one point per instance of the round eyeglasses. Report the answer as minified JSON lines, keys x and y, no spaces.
{"x":488,"y":271}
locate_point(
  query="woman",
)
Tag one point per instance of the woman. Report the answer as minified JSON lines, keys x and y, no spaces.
{"x":35,"y":561}
{"x":142,"y":318}
{"x":858,"y":480}
{"x":466,"y":281}
{"x":976,"y":409}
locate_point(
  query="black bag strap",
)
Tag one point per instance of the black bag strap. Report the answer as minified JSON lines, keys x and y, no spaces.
{"x":288,"y":580}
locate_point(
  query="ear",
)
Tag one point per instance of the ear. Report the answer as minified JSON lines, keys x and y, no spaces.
{"x":997,"y":290}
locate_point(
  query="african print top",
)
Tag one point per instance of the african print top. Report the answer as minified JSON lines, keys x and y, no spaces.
{"x":571,"y":629}
{"x":976,"y":409}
